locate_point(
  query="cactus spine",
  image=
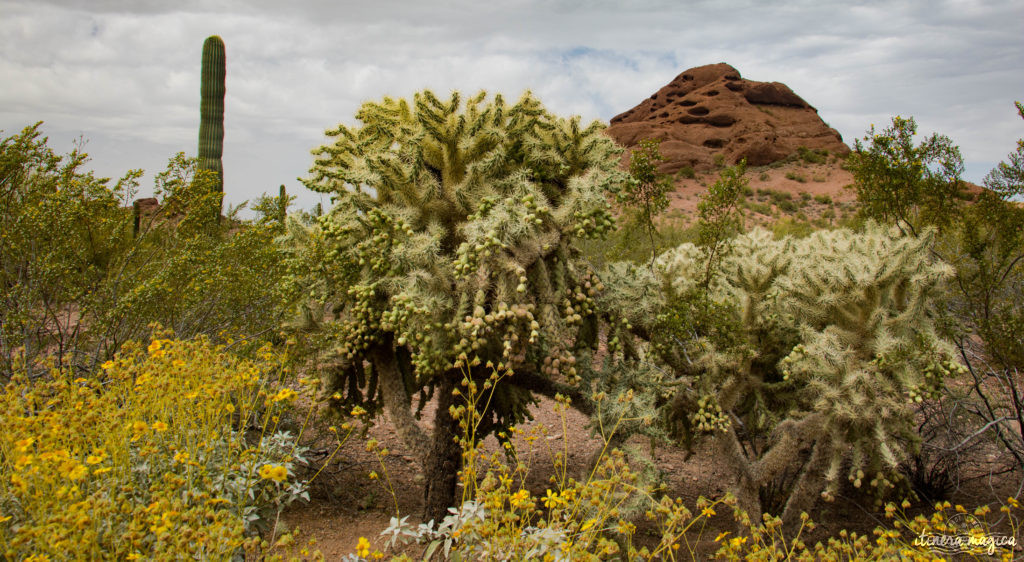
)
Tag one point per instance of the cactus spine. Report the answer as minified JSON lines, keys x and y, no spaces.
{"x":211,"y":109}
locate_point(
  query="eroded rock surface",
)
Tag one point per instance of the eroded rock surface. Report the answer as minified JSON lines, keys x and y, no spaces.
{"x":711,"y":110}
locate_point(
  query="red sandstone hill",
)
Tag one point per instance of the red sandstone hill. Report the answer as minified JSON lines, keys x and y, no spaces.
{"x":710,"y":110}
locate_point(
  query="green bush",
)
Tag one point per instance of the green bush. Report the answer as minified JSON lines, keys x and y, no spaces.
{"x":687,"y":172}
{"x":812,"y":156}
{"x":81,"y":277}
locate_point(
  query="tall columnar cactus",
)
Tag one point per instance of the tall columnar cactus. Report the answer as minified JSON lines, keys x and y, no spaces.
{"x":211,"y":109}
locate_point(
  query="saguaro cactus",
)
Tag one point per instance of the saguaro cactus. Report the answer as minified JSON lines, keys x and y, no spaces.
{"x":211,"y":109}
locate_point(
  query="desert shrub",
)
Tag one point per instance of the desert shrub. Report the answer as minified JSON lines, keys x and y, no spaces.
{"x":787,"y":206}
{"x":626,"y":242}
{"x":719,"y":160}
{"x":686,"y":172}
{"x":906,"y":184}
{"x":761,"y":208}
{"x":796,"y":177}
{"x":764,"y":176}
{"x":792,"y":227}
{"x":823,"y":198}
{"x":828,"y":337}
{"x":804,"y":196}
{"x":171,"y":450}
{"x":645,"y":194}
{"x":812,"y":156}
{"x":81,"y":275}
{"x":918,"y":186}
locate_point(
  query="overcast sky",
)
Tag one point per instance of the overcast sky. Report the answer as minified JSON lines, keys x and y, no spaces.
{"x":125,"y":74}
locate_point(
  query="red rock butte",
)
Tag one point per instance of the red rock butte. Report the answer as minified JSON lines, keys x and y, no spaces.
{"x":710,"y":110}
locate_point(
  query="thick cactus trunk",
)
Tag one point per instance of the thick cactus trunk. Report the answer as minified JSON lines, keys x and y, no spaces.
{"x":211,"y":109}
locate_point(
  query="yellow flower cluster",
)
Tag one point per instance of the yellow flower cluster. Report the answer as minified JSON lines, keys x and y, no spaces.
{"x":274,"y":472}
{"x":74,"y":449}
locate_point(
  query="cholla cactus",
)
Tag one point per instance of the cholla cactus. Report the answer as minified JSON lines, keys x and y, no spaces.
{"x":450,"y":254}
{"x":835,"y":340}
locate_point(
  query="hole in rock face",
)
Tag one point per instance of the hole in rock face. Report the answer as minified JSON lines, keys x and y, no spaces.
{"x":720,"y":121}
{"x":699,"y":111}
{"x":687,"y":103}
{"x":687,"y":120}
{"x":714,"y":143}
{"x":711,"y":93}
{"x":731,"y":77}
{"x":653,"y":97}
{"x":687,"y":77}
{"x":734,"y":86}
{"x":663,"y":114}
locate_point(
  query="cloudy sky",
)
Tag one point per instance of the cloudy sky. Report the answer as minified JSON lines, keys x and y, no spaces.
{"x":125,"y":74}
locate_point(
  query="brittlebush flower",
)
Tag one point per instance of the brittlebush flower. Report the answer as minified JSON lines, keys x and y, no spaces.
{"x":159,"y":426}
{"x":284,"y":395}
{"x":363,"y":547}
{"x":79,"y":472}
{"x":519,"y":498}
{"x":274,"y":472}
{"x":552,"y":500}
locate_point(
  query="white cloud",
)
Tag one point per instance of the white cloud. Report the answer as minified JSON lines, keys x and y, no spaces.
{"x":125,"y":74}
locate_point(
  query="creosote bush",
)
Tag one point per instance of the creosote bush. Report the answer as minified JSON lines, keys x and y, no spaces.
{"x":80,"y":277}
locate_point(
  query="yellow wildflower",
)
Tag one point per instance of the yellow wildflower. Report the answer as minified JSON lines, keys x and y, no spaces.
{"x":277,"y":473}
{"x":19,"y":482}
{"x":363,"y":547}
{"x":552,"y":500}
{"x":138,"y":428}
{"x":519,"y":498}
{"x":78,"y":472}
{"x":108,"y":365}
{"x":181,"y":456}
{"x":23,"y":461}
{"x":284,"y":395}
{"x":358,"y":411}
{"x":159,"y":426}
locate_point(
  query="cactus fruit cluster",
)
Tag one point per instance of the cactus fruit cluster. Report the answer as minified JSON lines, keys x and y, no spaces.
{"x":211,"y":109}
